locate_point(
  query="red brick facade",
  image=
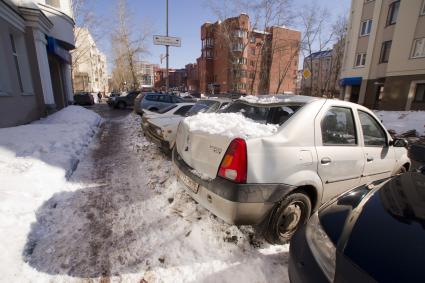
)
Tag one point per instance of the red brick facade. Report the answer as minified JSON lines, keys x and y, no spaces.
{"x":237,"y":59}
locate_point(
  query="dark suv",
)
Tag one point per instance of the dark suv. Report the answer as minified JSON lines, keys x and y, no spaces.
{"x":158,"y":101}
{"x":124,"y":101}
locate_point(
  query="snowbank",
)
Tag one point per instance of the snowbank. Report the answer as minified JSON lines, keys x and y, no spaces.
{"x":229,"y":124}
{"x":35,"y":161}
{"x":403,"y":121}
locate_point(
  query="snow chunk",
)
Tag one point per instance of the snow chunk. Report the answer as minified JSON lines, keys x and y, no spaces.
{"x":403,"y":121}
{"x":263,"y":99}
{"x":71,"y":115}
{"x":231,"y":125}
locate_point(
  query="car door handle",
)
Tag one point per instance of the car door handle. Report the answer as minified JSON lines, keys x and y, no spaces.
{"x":369,"y":158}
{"x":325,"y":160}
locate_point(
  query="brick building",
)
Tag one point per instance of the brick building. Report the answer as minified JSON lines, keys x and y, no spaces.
{"x":192,"y":80}
{"x":177,"y":79}
{"x":239,"y":59}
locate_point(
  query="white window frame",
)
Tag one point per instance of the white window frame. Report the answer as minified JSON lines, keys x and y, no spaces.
{"x":413,"y":56}
{"x":362,"y":59}
{"x":16,"y":61}
{"x":368,"y":27}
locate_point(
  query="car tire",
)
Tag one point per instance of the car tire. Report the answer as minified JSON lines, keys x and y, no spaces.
{"x":401,"y":170}
{"x":286,"y":217}
{"x":154,"y":109}
{"x":121,"y":105}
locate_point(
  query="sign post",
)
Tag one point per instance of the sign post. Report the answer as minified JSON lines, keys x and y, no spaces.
{"x":167,"y":41}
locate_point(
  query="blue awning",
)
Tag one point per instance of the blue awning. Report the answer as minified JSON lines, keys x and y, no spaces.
{"x":351,"y":81}
{"x":54,"y":47}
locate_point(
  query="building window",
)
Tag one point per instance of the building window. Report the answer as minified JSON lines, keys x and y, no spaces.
{"x":238,"y":47}
{"x":366,"y":27}
{"x":385,"y":51}
{"x":252,"y":51}
{"x":393,"y":13}
{"x":360,"y":59}
{"x":240,"y":33}
{"x":15,"y":58}
{"x":423,"y":8}
{"x":420,"y":93}
{"x":252,"y":75}
{"x":252,"y":39}
{"x":418,"y":48}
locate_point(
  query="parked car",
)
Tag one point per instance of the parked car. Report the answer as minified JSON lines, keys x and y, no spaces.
{"x":163,"y":130}
{"x":374,"y":233}
{"x":158,"y":101}
{"x":123,"y":101}
{"x":83,"y":98}
{"x":173,"y":111}
{"x":322,"y":148}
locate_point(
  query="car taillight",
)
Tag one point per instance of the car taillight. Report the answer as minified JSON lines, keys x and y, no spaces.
{"x":234,"y":164}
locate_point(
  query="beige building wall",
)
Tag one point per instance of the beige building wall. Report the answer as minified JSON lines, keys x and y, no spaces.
{"x":386,"y":85}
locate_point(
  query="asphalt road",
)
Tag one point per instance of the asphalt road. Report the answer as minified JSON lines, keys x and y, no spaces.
{"x":109,"y":113}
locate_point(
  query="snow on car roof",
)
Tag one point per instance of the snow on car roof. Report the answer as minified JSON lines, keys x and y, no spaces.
{"x":231,"y":125}
{"x":278,"y":98}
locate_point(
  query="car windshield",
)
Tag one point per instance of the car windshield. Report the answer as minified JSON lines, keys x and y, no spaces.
{"x":166,"y":109}
{"x":264,"y":114}
{"x":204,"y":106}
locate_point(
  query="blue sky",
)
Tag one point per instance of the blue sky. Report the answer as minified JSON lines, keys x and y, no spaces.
{"x":185,"y":20}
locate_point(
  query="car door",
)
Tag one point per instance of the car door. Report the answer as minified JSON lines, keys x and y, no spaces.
{"x":379,"y":156}
{"x":340,"y":156}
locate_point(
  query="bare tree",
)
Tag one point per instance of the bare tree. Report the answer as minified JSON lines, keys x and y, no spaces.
{"x":128,"y":45}
{"x":317,"y":38}
{"x":85,"y":20}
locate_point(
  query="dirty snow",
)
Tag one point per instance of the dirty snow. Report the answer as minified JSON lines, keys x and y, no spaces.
{"x":35,"y":161}
{"x":122,"y":217}
{"x":230,"y":125}
{"x":403,"y":121}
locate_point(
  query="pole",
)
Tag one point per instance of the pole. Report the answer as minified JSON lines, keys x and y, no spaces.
{"x":167,"y":81}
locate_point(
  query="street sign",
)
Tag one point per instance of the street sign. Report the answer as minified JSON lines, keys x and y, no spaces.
{"x":167,"y":40}
{"x":306,"y":73}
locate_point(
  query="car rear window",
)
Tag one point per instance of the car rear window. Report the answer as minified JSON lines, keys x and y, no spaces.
{"x":264,"y":114}
{"x":204,"y":106}
{"x":166,"y":109}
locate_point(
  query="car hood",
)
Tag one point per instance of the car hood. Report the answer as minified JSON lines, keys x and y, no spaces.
{"x":166,"y":121}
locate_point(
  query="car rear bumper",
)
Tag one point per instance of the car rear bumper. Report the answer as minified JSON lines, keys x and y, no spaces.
{"x":302,"y":266}
{"x":240,"y":204}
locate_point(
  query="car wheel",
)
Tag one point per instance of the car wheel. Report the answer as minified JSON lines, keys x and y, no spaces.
{"x":121,"y":105}
{"x":154,"y":109}
{"x":400,"y":171}
{"x":286,"y":217}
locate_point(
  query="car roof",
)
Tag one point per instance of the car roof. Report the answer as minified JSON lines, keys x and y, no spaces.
{"x":277,"y":99}
{"x":219,"y":99}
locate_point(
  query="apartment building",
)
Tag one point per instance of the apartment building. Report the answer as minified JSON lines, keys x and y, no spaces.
{"x":384,"y":61}
{"x":89,"y":64}
{"x":35,"y":73}
{"x":147,"y":75}
{"x":192,"y":78}
{"x":323,"y":74}
{"x":237,"y":58}
{"x":177,"y":79}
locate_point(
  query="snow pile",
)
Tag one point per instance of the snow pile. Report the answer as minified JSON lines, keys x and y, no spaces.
{"x":403,"y":121}
{"x":230,"y":125}
{"x":35,"y":161}
{"x":264,"y":99}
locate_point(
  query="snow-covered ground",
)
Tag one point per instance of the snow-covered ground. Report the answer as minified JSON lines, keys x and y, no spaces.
{"x":403,"y":121}
{"x":120,"y":216}
{"x":35,"y":161}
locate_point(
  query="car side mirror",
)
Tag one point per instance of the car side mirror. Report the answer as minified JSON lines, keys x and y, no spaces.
{"x":399,"y":143}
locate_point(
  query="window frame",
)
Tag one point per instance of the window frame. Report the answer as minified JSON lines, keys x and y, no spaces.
{"x":422,"y":11}
{"x":379,"y":126}
{"x":412,"y":56}
{"x":15,"y":55}
{"x":384,"y":49}
{"x":368,"y":27}
{"x":416,"y":92}
{"x":362,"y":58}
{"x":390,"y":17}
{"x":356,"y":134}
